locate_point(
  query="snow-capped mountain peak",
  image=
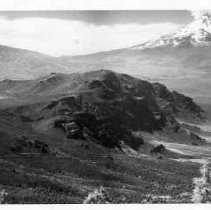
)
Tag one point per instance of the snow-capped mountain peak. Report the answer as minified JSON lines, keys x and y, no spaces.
{"x":197,"y":33}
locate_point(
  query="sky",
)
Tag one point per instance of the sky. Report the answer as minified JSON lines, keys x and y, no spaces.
{"x":66,"y":32}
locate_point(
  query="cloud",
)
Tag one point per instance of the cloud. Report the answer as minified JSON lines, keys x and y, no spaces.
{"x":197,"y":14}
{"x":67,"y":37}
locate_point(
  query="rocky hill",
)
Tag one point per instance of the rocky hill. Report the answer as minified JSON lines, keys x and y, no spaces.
{"x":101,"y":106}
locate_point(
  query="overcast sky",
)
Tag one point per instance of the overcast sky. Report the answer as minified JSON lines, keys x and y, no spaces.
{"x":81,"y":32}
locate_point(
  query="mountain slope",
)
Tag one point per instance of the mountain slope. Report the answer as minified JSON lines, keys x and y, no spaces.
{"x":24,"y":64}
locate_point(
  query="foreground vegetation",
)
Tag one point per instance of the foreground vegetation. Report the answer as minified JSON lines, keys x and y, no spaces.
{"x":70,"y":179}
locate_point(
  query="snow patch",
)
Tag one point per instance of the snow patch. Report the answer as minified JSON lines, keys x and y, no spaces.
{"x":197,"y":33}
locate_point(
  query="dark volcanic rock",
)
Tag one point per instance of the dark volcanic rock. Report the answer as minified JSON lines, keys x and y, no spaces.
{"x":96,"y":84}
{"x":158,"y":149}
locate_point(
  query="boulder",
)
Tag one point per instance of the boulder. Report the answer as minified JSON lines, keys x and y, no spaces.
{"x":160,"y":149}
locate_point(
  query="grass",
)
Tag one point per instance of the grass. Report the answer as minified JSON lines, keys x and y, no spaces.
{"x":67,"y":180}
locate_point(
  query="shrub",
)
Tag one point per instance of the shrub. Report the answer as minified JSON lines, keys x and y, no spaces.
{"x":3,"y":194}
{"x":98,"y":196}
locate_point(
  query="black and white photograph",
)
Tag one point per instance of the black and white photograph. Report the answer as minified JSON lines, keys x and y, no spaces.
{"x":101,"y":106}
